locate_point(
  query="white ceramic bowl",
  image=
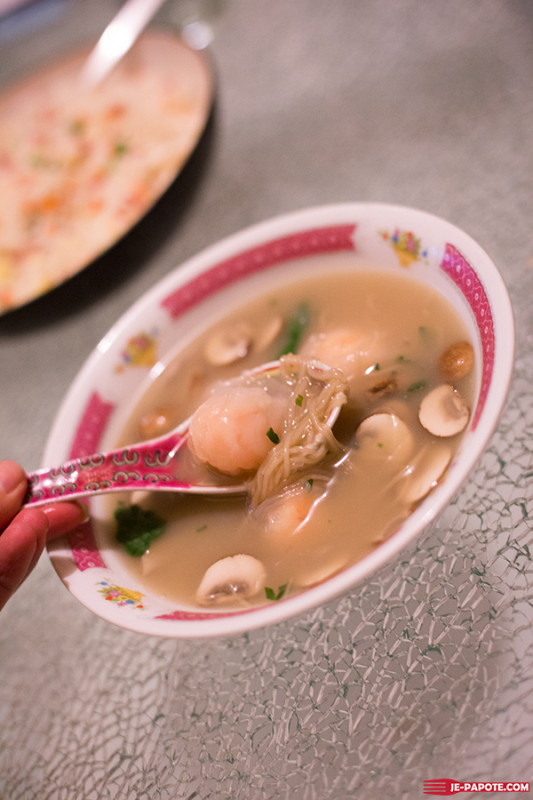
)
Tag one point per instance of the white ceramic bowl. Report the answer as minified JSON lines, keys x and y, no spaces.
{"x":207,"y":286}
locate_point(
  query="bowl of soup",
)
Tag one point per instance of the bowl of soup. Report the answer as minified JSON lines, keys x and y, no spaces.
{"x":393,"y":335}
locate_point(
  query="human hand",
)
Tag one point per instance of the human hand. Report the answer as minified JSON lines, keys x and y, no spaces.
{"x":24,"y":533}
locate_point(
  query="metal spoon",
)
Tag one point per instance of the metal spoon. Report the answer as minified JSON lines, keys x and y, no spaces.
{"x":149,"y":465}
{"x":118,"y":37}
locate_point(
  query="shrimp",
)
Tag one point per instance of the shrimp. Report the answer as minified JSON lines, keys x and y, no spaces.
{"x":340,"y":348}
{"x":230,"y":430}
{"x":350,"y":350}
{"x":286,"y":514}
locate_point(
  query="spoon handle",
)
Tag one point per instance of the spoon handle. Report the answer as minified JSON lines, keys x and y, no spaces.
{"x":148,"y":465}
{"x":118,"y":37}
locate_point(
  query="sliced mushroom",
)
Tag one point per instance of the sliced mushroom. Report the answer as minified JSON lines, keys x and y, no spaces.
{"x":384,"y":436}
{"x":387,"y":385}
{"x":228,"y":344}
{"x":230,"y":579}
{"x":424,"y":472}
{"x":268,"y":333}
{"x":457,"y":360}
{"x":443,"y":412}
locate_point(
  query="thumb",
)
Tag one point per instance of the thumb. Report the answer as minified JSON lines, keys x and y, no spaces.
{"x":21,"y":545}
{"x":13,"y":485}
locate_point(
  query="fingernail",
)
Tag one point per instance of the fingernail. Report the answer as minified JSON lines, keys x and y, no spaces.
{"x":11,"y":476}
{"x":84,"y":510}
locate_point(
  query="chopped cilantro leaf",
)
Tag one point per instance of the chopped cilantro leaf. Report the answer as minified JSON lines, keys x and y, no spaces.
{"x":120,"y":148}
{"x":137,"y":528}
{"x":299,"y":400}
{"x":272,"y":595}
{"x":425,"y":333}
{"x":41,"y":161}
{"x":294,"y":329}
{"x":273,"y":436}
{"x":76,"y":126}
{"x":416,"y":386}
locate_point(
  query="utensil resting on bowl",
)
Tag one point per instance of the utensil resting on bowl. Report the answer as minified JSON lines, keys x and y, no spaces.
{"x":152,"y":465}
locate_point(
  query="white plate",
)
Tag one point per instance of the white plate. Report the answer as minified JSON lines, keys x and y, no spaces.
{"x":79,"y":168}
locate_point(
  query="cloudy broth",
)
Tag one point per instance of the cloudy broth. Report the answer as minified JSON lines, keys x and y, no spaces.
{"x":361,"y":494}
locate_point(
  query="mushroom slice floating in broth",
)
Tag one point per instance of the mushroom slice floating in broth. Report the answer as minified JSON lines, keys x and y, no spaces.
{"x":229,"y":344}
{"x":425,"y":471}
{"x":268,"y":333}
{"x":384,"y":436}
{"x":443,"y":412}
{"x":237,"y":577}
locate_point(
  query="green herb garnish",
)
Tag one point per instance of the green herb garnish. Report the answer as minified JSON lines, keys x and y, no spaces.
{"x":76,"y":126}
{"x":137,"y":528}
{"x":295,"y":328}
{"x":416,"y":386}
{"x":425,"y":333}
{"x":299,"y":400}
{"x":120,"y":148}
{"x":272,"y":595}
{"x":273,"y":436}
{"x":41,"y":161}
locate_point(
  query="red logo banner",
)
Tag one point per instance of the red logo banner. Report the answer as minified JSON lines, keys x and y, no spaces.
{"x":448,"y":786}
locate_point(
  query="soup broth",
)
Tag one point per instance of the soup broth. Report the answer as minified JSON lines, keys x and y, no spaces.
{"x":396,"y":343}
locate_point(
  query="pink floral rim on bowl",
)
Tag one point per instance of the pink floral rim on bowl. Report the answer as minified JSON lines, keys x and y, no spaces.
{"x":389,"y":238}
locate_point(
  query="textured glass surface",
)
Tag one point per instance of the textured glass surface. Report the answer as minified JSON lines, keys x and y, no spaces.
{"x":426,"y":671}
